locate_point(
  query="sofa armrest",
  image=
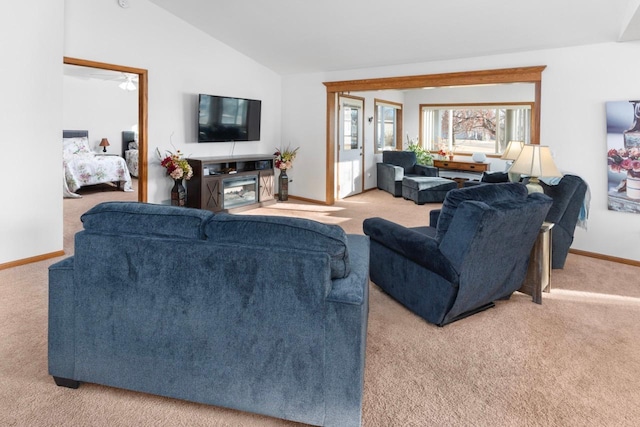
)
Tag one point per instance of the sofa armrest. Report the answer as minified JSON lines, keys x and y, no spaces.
{"x":424,"y":170}
{"x":411,"y":244}
{"x":351,"y":289}
{"x":61,"y":339}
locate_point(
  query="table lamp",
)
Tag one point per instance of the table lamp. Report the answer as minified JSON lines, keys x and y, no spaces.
{"x":104,"y":144}
{"x":535,"y":161}
{"x":510,"y":154}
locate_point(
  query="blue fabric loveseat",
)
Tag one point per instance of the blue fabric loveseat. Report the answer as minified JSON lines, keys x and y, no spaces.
{"x":257,"y":313}
{"x":477,"y":252}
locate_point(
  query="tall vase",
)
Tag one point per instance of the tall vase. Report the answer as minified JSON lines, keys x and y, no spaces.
{"x":283,"y":186}
{"x":178,"y":193}
{"x":632,"y":135}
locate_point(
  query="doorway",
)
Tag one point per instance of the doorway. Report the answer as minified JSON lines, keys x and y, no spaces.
{"x":350,"y":146}
{"x":142,"y":113}
{"x":467,"y":78}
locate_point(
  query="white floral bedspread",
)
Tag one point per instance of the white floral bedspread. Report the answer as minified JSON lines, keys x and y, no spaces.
{"x":131,"y":157}
{"x":89,"y":169}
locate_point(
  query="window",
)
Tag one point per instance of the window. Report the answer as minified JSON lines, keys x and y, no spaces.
{"x":485,"y":128}
{"x":388,"y":130}
{"x":350,"y":126}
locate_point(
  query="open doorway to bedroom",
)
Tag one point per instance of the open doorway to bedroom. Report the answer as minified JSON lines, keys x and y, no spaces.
{"x":107,"y":117}
{"x":105,"y":113}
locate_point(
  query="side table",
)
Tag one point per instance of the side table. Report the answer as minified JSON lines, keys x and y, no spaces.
{"x":538,"y":278}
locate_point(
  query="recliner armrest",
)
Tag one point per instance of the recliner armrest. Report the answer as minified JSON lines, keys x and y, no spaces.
{"x":391,"y":170}
{"x":433,"y":217}
{"x":424,"y":170}
{"x":411,"y":244}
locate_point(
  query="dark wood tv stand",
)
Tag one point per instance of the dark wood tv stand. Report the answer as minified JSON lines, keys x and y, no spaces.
{"x":231,"y":183}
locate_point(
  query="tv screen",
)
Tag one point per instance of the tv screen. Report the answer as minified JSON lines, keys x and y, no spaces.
{"x":222,"y":118}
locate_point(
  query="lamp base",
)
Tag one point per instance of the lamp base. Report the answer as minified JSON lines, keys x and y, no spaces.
{"x":104,"y":149}
{"x":534,"y":186}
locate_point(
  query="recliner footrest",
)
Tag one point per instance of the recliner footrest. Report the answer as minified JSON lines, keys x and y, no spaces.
{"x":426,"y":189}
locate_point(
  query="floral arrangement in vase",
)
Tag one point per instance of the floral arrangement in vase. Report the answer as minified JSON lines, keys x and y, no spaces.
{"x":626,"y":160}
{"x":444,"y":152}
{"x":284,"y":158}
{"x":177,"y":166}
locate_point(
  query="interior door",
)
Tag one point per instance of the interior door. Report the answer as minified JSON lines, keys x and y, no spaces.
{"x":350,"y":137}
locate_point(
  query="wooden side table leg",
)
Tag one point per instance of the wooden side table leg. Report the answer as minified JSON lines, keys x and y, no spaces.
{"x":539,"y":268}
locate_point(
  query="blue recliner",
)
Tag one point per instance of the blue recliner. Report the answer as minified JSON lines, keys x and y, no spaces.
{"x":568,"y":194}
{"x":395,"y":166}
{"x":568,"y":199}
{"x":477,"y":253}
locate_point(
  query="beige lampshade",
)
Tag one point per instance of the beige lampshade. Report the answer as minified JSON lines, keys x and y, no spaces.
{"x":513,"y":150}
{"x":535,"y":160}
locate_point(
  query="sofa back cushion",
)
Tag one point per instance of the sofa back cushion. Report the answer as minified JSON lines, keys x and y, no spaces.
{"x":494,"y":177}
{"x":404,"y":159}
{"x":133,"y":218}
{"x":488,"y":194}
{"x":283,"y":232}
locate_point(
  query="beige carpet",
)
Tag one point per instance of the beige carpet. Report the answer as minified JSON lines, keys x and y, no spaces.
{"x":572,"y":361}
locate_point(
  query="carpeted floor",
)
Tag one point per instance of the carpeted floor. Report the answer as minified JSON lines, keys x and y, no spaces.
{"x":572,"y":361}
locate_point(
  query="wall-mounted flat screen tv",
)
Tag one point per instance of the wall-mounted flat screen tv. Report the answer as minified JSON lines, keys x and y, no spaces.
{"x":223,"y":118}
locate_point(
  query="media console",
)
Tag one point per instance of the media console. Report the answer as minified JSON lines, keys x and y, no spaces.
{"x":231,"y":183}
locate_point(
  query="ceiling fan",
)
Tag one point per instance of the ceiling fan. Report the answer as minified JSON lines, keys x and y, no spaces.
{"x":128,"y":81}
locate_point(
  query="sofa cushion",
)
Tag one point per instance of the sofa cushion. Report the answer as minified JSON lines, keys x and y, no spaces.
{"x":133,"y":218}
{"x":283,"y":232}
{"x":488,"y":194}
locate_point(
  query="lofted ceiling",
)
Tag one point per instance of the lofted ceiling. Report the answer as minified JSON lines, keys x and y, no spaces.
{"x":297,"y":36}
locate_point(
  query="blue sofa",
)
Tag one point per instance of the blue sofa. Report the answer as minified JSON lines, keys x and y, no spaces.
{"x":476,"y":253}
{"x":257,"y":313}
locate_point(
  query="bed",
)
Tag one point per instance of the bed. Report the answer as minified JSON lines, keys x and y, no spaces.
{"x":130,"y":151}
{"x":82,"y":166}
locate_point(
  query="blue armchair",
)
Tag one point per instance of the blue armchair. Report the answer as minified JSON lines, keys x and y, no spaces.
{"x":477,"y":252}
{"x":395,"y":166}
{"x":258,"y":313}
{"x":568,"y":199}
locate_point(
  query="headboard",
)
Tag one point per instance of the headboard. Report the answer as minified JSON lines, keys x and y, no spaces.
{"x":74,"y":133}
{"x":127,"y":137}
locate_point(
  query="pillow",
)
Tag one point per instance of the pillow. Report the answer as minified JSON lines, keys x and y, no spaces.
{"x":145,"y":219}
{"x":274,"y":231}
{"x":133,"y":145}
{"x":74,"y":146}
{"x":488,"y":194}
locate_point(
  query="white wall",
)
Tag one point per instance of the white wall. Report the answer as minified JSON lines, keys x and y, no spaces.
{"x":575,"y":86}
{"x":30,"y":117}
{"x":182,"y":62}
{"x":100,"y":107}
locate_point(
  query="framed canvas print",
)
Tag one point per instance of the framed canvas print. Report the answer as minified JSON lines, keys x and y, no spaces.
{"x":623,"y":155}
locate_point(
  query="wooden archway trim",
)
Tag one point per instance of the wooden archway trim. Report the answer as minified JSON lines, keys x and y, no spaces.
{"x":464,"y":78}
{"x":143,"y":101}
